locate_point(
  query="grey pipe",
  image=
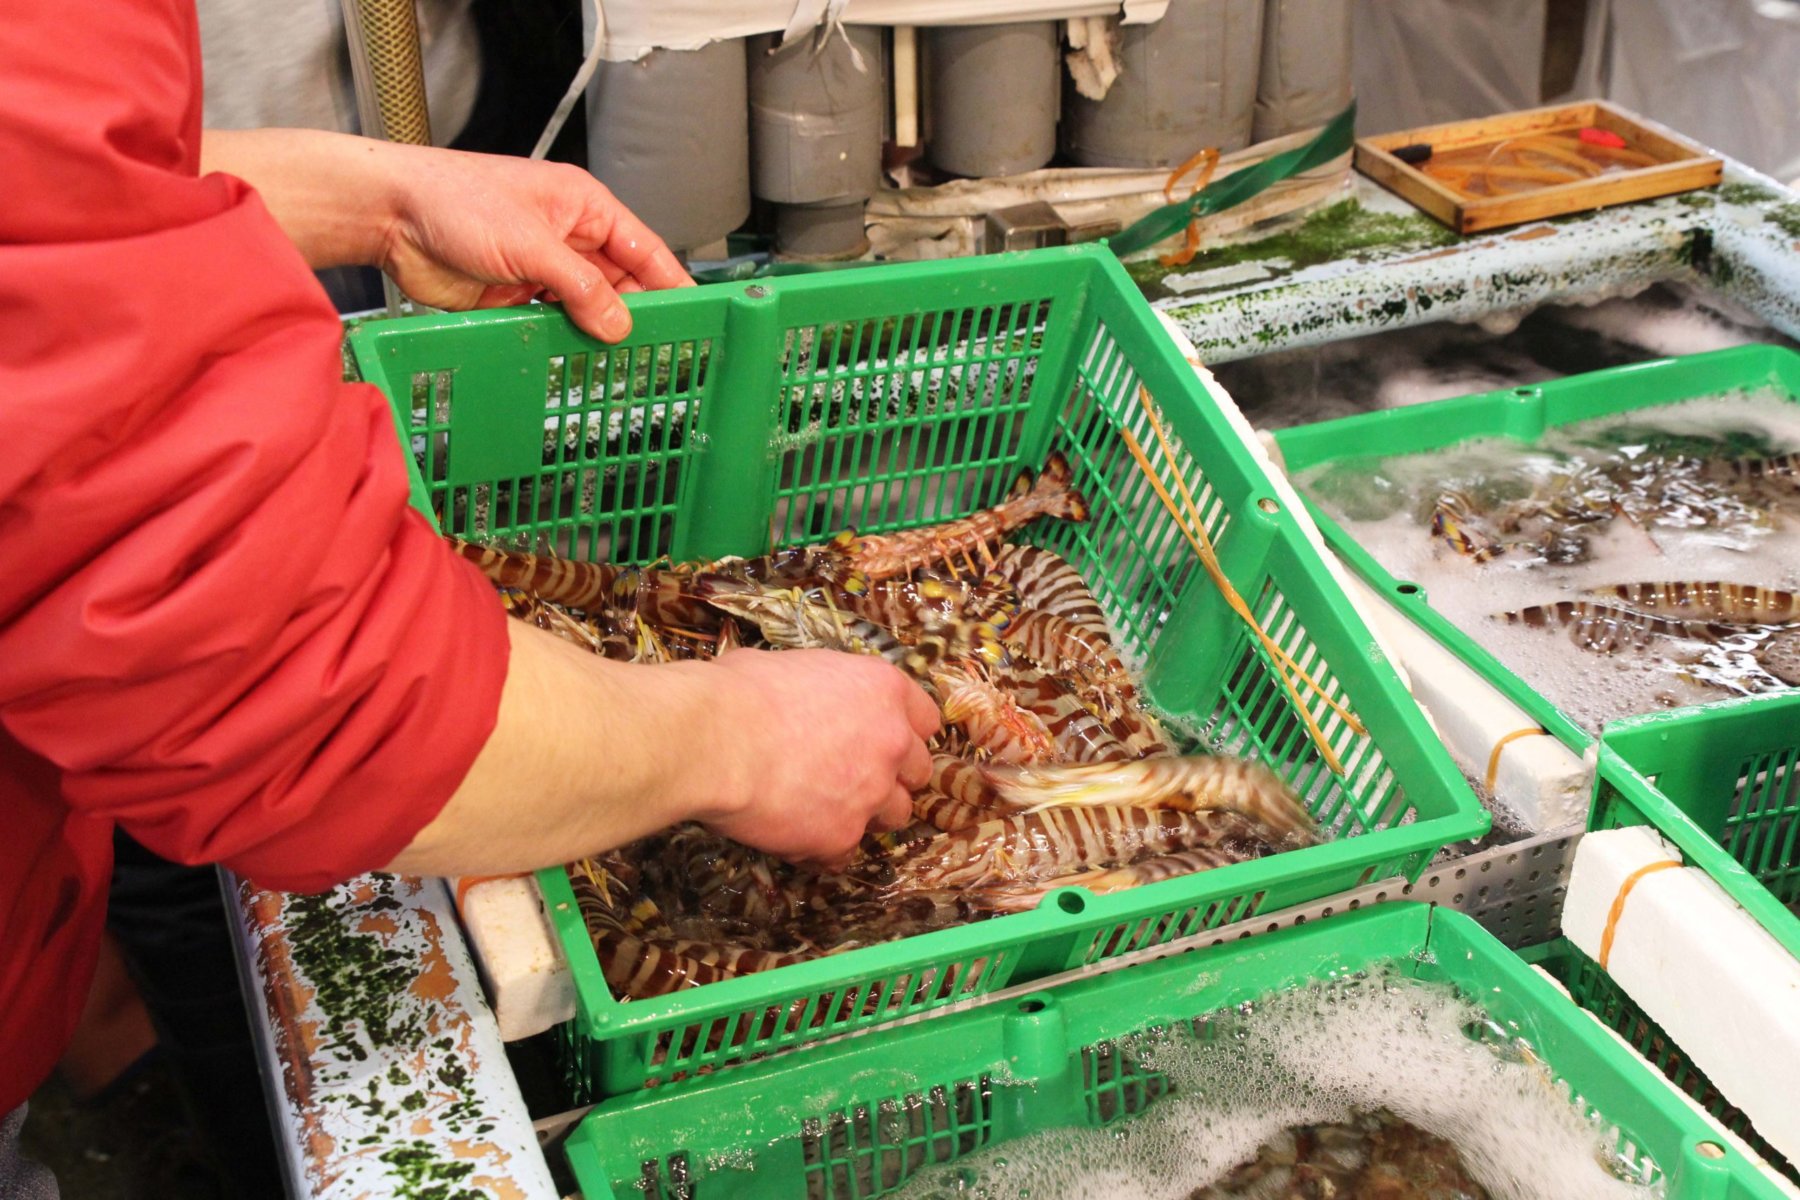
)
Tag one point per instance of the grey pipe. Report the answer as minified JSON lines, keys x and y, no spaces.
{"x":669,"y":134}
{"x":1305,"y":79}
{"x":1186,"y":82}
{"x":816,"y":118}
{"x":992,"y":97}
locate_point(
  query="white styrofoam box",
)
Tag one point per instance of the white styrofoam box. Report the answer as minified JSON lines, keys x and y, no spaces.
{"x":527,"y":977}
{"x":1718,"y":983}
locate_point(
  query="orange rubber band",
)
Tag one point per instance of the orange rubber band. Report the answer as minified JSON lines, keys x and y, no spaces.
{"x":1618,"y":904}
{"x":1205,"y":162}
{"x":1493,"y":771}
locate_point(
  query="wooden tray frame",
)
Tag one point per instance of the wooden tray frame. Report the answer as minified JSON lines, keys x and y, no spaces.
{"x":1687,"y":166}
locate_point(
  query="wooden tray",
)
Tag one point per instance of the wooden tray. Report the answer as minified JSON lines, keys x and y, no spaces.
{"x":1680,"y":166}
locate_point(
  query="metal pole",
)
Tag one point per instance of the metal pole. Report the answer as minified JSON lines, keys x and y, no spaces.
{"x":389,"y":70}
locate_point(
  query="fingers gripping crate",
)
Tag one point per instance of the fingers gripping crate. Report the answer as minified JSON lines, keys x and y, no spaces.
{"x":1721,"y":782}
{"x":857,"y":1119}
{"x":740,"y":416}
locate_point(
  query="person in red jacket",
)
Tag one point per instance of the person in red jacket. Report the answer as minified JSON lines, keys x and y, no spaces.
{"x":221,"y":627}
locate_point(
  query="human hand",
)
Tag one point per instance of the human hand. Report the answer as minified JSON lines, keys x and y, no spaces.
{"x":815,"y":747}
{"x":486,"y":230}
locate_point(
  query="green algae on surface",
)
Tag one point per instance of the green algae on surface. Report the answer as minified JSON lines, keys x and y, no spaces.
{"x":1785,"y":217}
{"x":421,"y":1174}
{"x":356,"y":980}
{"x":1747,"y":193}
{"x":1345,"y":230}
{"x":362,"y":984}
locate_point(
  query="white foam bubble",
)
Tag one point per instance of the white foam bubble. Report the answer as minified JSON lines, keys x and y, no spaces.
{"x":1310,"y":1056}
{"x":1385,"y":507}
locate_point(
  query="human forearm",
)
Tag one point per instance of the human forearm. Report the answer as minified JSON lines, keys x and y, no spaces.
{"x":586,"y":754}
{"x":336,"y":196}
{"x":793,"y":753}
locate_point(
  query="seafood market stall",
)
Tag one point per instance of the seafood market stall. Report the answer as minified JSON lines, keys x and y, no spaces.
{"x":388,"y":1063}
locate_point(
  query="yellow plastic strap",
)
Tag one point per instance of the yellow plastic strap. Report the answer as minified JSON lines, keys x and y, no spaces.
{"x":1618,"y":904}
{"x":1493,"y":770}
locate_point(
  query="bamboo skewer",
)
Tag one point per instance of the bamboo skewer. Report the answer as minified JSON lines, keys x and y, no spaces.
{"x":1238,"y":606}
{"x":1199,"y":525}
{"x":1194,"y":530}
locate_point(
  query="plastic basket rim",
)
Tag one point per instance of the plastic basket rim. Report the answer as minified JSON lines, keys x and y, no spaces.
{"x":604,"y":1015}
{"x":1615,"y":767}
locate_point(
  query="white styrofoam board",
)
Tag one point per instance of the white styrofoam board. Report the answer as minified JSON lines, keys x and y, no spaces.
{"x":515,"y":948}
{"x":1720,"y":1133}
{"x":1718,"y":983}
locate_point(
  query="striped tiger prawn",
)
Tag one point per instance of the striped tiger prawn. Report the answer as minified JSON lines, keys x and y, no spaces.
{"x":1049,"y":772}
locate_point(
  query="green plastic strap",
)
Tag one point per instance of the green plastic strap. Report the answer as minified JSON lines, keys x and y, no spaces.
{"x":753,"y":270}
{"x":1335,"y":139}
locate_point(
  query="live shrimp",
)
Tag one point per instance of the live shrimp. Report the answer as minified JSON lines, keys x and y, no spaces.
{"x":883,"y":557}
{"x":1027,"y":847}
{"x":1187,"y":784}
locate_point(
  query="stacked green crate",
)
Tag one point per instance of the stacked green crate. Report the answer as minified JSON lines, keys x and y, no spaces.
{"x":1720,"y":782}
{"x":1523,"y":415}
{"x":856,"y":1119}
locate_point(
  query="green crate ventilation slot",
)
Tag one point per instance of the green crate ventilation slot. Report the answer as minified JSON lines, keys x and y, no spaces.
{"x":1763,"y":827}
{"x":618,"y":433}
{"x":761,"y":1030}
{"x":1139,"y":564}
{"x":1130,"y":551}
{"x":898,"y":422}
{"x":1115,"y":1084}
{"x":864,"y":1150}
{"x":1593,"y":989}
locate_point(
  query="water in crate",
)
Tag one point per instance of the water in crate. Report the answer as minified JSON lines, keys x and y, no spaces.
{"x":1620,"y":565}
{"x":1050,"y":770}
{"x":1372,"y":1087}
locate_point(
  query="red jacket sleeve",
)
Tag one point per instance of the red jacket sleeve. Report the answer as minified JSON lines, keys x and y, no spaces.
{"x":218,"y":618}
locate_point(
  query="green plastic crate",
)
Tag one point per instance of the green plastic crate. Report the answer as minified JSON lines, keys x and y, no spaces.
{"x":852,"y":1120}
{"x":1593,"y":989}
{"x":884,"y":399}
{"x":1522,"y":414}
